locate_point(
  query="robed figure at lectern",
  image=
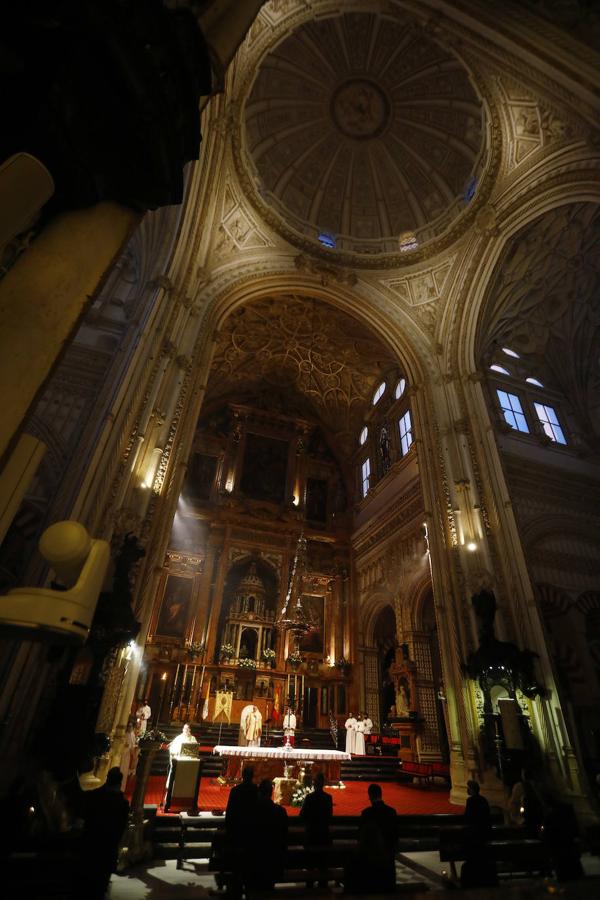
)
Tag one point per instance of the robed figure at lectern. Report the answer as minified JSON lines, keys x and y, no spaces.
{"x":182,"y":748}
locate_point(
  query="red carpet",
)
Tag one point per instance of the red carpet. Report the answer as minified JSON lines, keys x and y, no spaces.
{"x":406,"y":799}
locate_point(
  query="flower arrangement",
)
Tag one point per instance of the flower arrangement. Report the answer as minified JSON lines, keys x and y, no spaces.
{"x":299,"y":794}
{"x":154,"y":736}
{"x":269,"y":654}
{"x":196,"y":648}
{"x":295,"y":660}
{"x":343,"y":665}
{"x":246,"y":663}
{"x":226,"y":651}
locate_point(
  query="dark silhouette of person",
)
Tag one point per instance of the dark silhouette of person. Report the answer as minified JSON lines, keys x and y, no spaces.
{"x":270,"y":829}
{"x":378,"y":834}
{"x":478,"y":817}
{"x":533,"y":808}
{"x":105,"y":813}
{"x":316,"y":815}
{"x":240,"y":817}
{"x":479,"y":869}
{"x":560,"y":836}
{"x":374,"y":871}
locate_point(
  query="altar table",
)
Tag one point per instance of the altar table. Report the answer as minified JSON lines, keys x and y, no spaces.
{"x":269,"y":762}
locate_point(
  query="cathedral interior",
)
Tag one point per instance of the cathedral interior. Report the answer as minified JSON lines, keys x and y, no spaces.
{"x":315,"y":315}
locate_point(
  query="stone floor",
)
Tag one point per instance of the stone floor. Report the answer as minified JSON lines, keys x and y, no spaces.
{"x":161,"y":879}
{"x":416,"y":873}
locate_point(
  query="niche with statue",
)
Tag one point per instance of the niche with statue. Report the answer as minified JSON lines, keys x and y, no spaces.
{"x":404,"y":715}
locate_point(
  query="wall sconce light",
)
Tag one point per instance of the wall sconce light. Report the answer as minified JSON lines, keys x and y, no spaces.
{"x":163,"y":677}
{"x":471,"y":546}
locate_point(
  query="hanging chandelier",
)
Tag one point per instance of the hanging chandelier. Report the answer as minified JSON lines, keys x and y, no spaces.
{"x":293,"y":618}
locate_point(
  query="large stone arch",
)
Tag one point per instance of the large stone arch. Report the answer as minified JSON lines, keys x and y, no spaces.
{"x":555,"y":191}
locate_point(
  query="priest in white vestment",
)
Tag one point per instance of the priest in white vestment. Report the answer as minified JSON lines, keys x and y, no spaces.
{"x":129,"y":755}
{"x":350,"y":727}
{"x":368,"y":724}
{"x":253,"y":727}
{"x":359,"y":739}
{"x":186,"y":737}
{"x":143,"y":715}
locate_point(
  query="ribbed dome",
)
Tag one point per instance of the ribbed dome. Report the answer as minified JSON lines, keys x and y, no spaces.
{"x":363,"y":127}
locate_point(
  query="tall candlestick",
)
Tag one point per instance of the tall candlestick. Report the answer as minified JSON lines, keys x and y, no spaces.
{"x":173,"y":690}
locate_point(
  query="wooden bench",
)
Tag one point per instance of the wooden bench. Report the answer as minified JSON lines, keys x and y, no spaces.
{"x":440,"y":770}
{"x":421,"y":771}
{"x":300,"y":864}
{"x":513,"y":854}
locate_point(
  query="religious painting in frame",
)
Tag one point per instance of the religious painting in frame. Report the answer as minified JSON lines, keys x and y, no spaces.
{"x":314,"y":640}
{"x":324,"y":701}
{"x":175,"y":607}
{"x":264,"y":472}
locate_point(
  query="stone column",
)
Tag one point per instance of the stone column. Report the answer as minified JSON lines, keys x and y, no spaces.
{"x":44,"y":295}
{"x":136,"y":848}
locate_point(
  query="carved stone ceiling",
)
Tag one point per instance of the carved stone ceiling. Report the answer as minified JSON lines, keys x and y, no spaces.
{"x":362,"y":126}
{"x":325,"y":361}
{"x":544,"y":303}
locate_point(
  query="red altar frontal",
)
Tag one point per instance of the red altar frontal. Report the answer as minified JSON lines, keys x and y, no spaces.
{"x":272,"y":762}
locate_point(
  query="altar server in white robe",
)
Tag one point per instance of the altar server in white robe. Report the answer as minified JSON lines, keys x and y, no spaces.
{"x":289,"y":727}
{"x":350,"y":727}
{"x":368,"y":724}
{"x":359,"y":740}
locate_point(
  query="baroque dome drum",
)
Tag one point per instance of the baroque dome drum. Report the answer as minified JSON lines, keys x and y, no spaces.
{"x":365,"y":132}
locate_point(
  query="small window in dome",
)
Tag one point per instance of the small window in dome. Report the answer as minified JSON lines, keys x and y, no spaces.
{"x":534,"y":381}
{"x":501,"y":369}
{"x":327,"y":239}
{"x":363,"y":435}
{"x":510,"y":352}
{"x":378,"y":393}
{"x":470,"y":189}
{"x":400,"y":387}
{"x":407,"y":241}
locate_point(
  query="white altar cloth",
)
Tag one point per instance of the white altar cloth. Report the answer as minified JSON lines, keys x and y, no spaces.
{"x":295,"y":755}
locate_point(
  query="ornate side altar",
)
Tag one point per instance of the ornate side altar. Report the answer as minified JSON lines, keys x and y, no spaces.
{"x":271,"y":762}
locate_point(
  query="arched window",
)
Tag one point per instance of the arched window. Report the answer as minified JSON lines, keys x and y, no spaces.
{"x":510,"y":352}
{"x":534,"y":381}
{"x":400,"y":388}
{"x":378,"y":393}
{"x":363,"y":436}
{"x":496,"y":368}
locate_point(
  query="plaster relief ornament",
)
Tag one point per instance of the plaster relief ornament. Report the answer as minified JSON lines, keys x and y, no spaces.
{"x":321,"y":357}
{"x":544,"y":302}
{"x":361,"y":127}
